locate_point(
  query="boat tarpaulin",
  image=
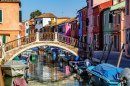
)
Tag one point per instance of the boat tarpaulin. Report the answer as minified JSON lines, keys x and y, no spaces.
{"x":34,"y":49}
{"x":113,"y":74}
{"x":102,"y":68}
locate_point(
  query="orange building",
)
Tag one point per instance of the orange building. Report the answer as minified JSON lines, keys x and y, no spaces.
{"x":10,"y":16}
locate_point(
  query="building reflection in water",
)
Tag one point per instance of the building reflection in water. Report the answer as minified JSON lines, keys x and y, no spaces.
{"x":44,"y":69}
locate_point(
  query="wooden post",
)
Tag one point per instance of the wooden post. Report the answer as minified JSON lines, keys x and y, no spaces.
{"x":1,"y":78}
{"x":119,"y":60}
{"x":102,"y":53}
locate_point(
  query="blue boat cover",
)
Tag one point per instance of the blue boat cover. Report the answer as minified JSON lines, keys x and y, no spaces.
{"x":107,"y":70}
{"x":77,"y":58}
{"x":34,"y":49}
{"x":112,"y":74}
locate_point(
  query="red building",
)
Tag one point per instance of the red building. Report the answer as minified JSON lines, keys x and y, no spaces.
{"x":75,"y":28}
{"x":97,"y":24}
{"x":22,"y":27}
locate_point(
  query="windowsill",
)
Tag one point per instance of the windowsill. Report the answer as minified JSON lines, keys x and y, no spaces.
{"x":1,"y":22}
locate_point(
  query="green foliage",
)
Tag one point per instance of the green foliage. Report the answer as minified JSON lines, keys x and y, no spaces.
{"x":34,"y":14}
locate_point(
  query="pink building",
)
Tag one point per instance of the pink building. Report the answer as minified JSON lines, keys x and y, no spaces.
{"x":91,"y":4}
{"x":127,"y":28}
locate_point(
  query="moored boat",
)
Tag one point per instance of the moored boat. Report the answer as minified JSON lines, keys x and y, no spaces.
{"x":14,"y":68}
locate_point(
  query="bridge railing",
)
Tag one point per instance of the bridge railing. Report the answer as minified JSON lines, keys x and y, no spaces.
{"x":46,"y":36}
{"x":20,"y":41}
{"x":72,"y":41}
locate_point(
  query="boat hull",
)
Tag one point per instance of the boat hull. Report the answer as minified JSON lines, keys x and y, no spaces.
{"x":14,"y":70}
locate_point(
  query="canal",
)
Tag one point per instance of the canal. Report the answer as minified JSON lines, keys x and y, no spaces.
{"x":46,"y":72}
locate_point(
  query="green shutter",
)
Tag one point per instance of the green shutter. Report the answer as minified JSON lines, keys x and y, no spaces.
{"x":0,"y":15}
{"x":4,"y":39}
{"x":20,"y":16}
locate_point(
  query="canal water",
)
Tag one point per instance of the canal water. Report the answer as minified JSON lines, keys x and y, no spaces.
{"x":46,"y":72}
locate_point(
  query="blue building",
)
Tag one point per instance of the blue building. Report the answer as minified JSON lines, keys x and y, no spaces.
{"x":80,"y":27}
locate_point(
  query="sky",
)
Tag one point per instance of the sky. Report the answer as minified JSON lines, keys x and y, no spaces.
{"x":60,"y":8}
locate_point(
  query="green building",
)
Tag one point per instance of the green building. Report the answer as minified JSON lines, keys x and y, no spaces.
{"x":107,"y":27}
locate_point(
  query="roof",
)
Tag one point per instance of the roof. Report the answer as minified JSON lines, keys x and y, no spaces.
{"x":46,"y":15}
{"x":11,"y":1}
{"x":82,"y":9}
{"x":67,"y":21}
{"x":32,"y":20}
{"x":115,"y":7}
{"x":30,"y":23}
{"x":63,"y":18}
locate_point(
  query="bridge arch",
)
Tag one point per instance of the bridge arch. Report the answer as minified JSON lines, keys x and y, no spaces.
{"x":29,"y":46}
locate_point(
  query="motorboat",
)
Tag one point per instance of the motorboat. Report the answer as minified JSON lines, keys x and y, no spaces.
{"x":14,"y":68}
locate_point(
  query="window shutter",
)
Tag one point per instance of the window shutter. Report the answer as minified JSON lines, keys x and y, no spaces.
{"x":20,"y":16}
{"x":0,"y":15}
{"x":87,"y":21}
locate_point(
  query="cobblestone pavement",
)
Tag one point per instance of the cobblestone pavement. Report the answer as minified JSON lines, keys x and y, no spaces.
{"x":113,"y":58}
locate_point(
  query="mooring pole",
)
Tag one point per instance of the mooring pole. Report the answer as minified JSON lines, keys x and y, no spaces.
{"x":119,"y":60}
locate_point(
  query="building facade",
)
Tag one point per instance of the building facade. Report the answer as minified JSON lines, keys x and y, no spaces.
{"x":43,"y":20}
{"x":9,"y":10}
{"x":118,"y":24}
{"x":97,"y":24}
{"x":107,"y":28}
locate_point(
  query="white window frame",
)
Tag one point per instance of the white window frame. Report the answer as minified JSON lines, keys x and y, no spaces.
{"x":2,"y":16}
{"x":98,"y":20}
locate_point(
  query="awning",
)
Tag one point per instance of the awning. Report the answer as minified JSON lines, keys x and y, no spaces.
{"x":115,"y":7}
{"x":60,"y":26}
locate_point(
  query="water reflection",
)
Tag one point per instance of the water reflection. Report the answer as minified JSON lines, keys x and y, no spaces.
{"x":46,"y":72}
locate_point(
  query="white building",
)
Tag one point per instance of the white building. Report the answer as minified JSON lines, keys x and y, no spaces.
{"x":43,"y":20}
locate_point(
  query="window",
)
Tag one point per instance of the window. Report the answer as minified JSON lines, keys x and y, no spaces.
{"x":119,"y":1}
{"x":127,"y":7}
{"x":73,"y":26}
{"x":114,"y":19}
{"x":20,"y":16}
{"x":35,"y":22}
{"x":1,"y":16}
{"x":84,"y":12}
{"x":88,"y":4}
{"x":26,"y":30}
{"x":119,"y":19}
{"x":41,"y":22}
{"x":83,"y":25}
{"x":26,"y":24}
{"x":98,"y":20}
{"x":104,"y":19}
{"x":108,"y":17}
{"x":91,"y":20}
{"x":91,"y":2}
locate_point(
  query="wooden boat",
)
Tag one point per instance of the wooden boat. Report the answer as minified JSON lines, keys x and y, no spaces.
{"x":14,"y":68}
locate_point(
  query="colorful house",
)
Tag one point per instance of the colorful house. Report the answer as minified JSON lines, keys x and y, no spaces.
{"x":97,"y":24}
{"x":22,"y":27}
{"x":127,"y":28}
{"x":43,"y":20}
{"x":118,"y":24}
{"x":80,"y":27}
{"x":107,"y":27}
{"x":10,"y":17}
{"x":31,"y":26}
{"x":90,"y":5}
{"x":26,"y":28}
{"x":75,"y":28}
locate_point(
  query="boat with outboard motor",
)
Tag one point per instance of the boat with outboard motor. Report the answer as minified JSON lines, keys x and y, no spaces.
{"x":109,"y":75}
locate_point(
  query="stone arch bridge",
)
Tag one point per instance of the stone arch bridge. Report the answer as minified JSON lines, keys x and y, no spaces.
{"x":13,"y":48}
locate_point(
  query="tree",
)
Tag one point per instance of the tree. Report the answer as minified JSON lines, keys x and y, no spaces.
{"x":34,"y":14}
